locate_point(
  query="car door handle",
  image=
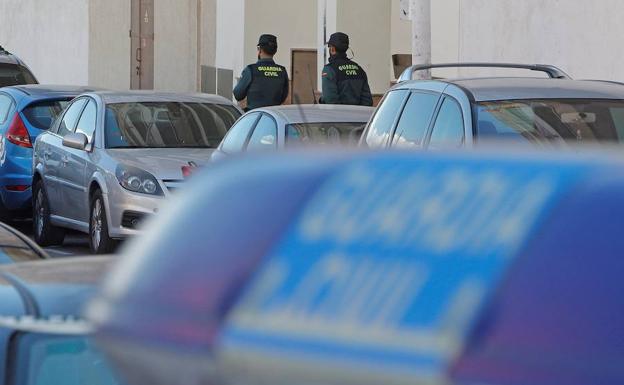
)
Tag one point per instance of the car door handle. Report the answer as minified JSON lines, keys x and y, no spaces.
{"x":65,"y":160}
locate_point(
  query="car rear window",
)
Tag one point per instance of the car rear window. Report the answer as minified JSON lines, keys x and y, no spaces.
{"x":13,"y":75}
{"x":41,"y":115}
{"x":321,"y":134}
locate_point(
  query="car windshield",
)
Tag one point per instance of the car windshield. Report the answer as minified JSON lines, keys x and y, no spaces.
{"x":550,"y":120}
{"x":321,"y":134}
{"x":59,"y":360}
{"x":42,"y":114}
{"x":167,"y":124}
{"x":13,"y":75}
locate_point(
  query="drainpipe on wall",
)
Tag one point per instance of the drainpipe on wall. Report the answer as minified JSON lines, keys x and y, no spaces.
{"x":420,"y":11}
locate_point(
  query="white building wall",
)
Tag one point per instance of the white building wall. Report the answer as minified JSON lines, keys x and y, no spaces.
{"x":583,"y":37}
{"x":230,"y":33}
{"x":368,"y":24}
{"x":176,"y":45}
{"x":109,"y":42}
{"x":52,"y":37}
{"x":293,"y":22}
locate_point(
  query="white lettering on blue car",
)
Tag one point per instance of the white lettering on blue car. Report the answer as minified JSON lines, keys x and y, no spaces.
{"x":395,"y":259}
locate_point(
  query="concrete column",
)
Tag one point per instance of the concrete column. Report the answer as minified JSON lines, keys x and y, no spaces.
{"x":421,"y":35}
{"x":327,"y":15}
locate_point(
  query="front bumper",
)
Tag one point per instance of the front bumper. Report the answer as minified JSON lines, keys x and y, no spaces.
{"x":121,"y":203}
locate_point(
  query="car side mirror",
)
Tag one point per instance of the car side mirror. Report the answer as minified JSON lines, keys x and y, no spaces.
{"x":76,"y":140}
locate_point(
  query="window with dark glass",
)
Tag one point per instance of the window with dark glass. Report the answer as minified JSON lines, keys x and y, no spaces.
{"x":86,"y":124}
{"x":264,"y":136}
{"x":415,"y":120}
{"x":68,"y":123}
{"x":42,"y":114}
{"x":382,"y":124}
{"x":448,"y":130}
{"x":237,"y":137}
{"x":5,"y":107}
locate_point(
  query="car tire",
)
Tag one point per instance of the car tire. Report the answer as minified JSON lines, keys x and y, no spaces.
{"x":5,"y":215}
{"x":99,"y":239}
{"x":45,"y":233}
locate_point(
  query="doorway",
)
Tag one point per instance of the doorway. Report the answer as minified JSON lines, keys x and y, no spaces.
{"x":142,"y":45}
{"x":304,"y":76}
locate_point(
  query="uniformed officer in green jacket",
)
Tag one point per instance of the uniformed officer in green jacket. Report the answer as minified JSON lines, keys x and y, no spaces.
{"x":344,"y":81}
{"x":263,"y":83}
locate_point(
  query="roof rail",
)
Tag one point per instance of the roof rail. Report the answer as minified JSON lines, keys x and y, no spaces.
{"x":551,"y":70}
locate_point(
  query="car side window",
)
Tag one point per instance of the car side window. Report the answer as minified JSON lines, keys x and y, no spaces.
{"x":5,"y":107}
{"x":237,"y":136}
{"x":415,"y":119}
{"x":86,"y":124}
{"x":264,"y":136}
{"x":381,"y":126}
{"x":448,"y":130}
{"x":68,"y":123}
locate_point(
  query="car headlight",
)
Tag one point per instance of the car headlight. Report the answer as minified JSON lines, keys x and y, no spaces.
{"x":137,"y":180}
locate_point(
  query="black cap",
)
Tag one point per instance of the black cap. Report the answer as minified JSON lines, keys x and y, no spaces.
{"x":267,"y":41}
{"x":340,"y":41}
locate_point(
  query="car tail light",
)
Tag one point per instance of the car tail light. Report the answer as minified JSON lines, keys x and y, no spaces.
{"x":188,"y":170}
{"x":18,"y":188}
{"x":18,"y":134}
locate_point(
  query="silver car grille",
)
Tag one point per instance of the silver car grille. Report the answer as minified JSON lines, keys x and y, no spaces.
{"x":173,"y":185}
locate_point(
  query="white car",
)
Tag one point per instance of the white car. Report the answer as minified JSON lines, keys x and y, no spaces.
{"x":276,"y":128}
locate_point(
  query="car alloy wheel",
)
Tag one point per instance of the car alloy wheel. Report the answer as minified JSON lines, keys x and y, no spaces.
{"x":96,"y":224}
{"x":40,"y":213}
{"x":45,"y":233}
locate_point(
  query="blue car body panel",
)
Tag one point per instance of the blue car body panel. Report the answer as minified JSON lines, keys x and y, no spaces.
{"x":385,"y":268}
{"x":16,"y":161}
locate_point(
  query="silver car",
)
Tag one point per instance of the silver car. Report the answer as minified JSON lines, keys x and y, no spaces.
{"x":276,"y":128}
{"x":111,"y":158}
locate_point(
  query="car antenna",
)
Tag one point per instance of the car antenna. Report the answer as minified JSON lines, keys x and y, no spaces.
{"x":311,"y":85}
{"x":301,"y":111}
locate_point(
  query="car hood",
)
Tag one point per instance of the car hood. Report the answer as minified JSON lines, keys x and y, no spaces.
{"x":163,"y":163}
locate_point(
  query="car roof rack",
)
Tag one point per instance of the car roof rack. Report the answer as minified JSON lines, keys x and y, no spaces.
{"x":552,"y":71}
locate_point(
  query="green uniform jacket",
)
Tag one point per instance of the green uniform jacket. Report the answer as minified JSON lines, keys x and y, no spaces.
{"x":345,"y":82}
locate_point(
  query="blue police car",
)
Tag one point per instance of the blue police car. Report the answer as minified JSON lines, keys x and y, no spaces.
{"x":378,"y":269}
{"x":25,"y":112}
{"x":43,"y":338}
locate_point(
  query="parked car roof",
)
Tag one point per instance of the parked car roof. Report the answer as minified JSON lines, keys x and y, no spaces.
{"x":517,"y":88}
{"x":42,"y":89}
{"x":16,"y":247}
{"x":111,"y":97}
{"x":53,"y":287}
{"x":321,"y":113}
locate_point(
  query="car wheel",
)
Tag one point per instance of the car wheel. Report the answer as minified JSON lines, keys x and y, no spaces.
{"x":100,"y":241}
{"x":45,"y":233}
{"x":5,"y":215}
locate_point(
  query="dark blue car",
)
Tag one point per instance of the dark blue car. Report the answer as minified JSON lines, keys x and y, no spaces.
{"x":25,"y":112}
{"x":43,"y":338}
{"x":381,"y":268}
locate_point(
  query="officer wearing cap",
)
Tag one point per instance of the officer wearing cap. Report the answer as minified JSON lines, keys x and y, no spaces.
{"x":263,"y":83}
{"x":344,"y":81}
